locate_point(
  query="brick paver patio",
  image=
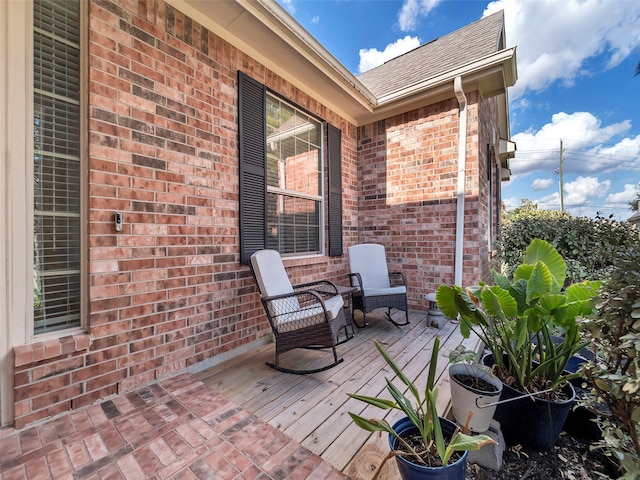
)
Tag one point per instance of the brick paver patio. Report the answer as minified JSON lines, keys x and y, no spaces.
{"x":176,"y":428}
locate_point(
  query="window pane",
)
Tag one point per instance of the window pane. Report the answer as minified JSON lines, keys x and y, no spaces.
{"x":293,"y":224}
{"x":294,"y":179}
{"x":56,"y":163}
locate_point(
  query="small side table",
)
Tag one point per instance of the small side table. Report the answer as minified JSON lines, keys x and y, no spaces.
{"x":347,"y":295}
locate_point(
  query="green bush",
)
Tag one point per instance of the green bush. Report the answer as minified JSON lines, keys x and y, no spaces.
{"x":589,"y":246}
{"x":614,"y":333}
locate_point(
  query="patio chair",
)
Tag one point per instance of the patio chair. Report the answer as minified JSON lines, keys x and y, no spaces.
{"x":377,"y":287}
{"x":308,"y":315}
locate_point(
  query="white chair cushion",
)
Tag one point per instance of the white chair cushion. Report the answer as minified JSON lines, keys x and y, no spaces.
{"x":272,"y":279}
{"x":370,"y":292}
{"x":370,"y":261}
{"x":312,"y":315}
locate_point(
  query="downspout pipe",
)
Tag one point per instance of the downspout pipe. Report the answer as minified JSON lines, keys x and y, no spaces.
{"x":462,"y":165}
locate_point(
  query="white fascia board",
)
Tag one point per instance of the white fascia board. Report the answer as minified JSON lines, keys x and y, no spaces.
{"x":305,"y":43}
{"x":280,"y":24}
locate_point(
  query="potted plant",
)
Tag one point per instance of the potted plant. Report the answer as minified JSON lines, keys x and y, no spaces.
{"x":517,"y":319}
{"x":423,"y":443}
{"x":474,"y":390}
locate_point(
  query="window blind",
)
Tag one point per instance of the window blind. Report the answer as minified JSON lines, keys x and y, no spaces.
{"x":56,"y":165}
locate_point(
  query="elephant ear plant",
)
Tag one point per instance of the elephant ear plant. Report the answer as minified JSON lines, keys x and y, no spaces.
{"x":518,"y":318}
{"x":435,"y":448}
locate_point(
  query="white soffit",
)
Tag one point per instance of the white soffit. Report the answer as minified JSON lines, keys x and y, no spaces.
{"x":265,"y":32}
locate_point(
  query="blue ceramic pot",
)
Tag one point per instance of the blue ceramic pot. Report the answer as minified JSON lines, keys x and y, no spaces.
{"x":409,"y":470}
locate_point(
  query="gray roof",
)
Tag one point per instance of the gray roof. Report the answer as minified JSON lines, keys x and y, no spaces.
{"x":635,"y":218}
{"x":470,"y":43}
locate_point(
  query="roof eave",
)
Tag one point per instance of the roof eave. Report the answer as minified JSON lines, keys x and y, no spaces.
{"x":504,"y":59}
{"x":491,"y":75}
{"x":263,"y":30}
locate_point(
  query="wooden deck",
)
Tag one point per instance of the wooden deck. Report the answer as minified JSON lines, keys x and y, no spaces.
{"x":312,"y":409}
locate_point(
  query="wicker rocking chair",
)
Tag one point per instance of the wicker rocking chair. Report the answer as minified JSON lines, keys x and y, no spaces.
{"x":308,"y":315}
{"x":377,"y":287}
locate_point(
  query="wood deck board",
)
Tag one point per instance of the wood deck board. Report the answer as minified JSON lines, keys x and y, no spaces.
{"x":313,"y":409}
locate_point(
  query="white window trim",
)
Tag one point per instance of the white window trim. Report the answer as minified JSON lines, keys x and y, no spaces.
{"x":16,"y":190}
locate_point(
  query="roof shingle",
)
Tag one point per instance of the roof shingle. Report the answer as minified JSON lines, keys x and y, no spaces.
{"x":458,"y":48}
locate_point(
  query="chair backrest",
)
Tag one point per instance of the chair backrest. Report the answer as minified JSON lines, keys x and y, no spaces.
{"x":273,"y":280}
{"x":270,"y":274}
{"x":370,"y":261}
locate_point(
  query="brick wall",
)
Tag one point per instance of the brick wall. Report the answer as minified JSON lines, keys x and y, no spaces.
{"x":168,"y":291}
{"x":408,"y":189}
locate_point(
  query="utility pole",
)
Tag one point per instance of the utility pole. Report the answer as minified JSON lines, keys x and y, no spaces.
{"x":561,"y":183}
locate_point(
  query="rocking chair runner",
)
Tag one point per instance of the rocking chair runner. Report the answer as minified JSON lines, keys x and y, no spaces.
{"x":308,"y":315}
{"x":377,"y":287}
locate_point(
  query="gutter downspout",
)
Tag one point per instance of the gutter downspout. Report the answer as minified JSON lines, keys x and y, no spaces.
{"x":462,"y":158}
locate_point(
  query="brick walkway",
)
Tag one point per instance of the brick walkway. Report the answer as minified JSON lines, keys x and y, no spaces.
{"x":177,"y":428}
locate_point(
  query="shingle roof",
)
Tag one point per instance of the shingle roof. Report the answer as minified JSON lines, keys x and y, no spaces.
{"x":635,"y":218}
{"x":461,"y":47}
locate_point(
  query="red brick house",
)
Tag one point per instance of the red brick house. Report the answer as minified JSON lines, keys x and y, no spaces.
{"x":193,"y":121}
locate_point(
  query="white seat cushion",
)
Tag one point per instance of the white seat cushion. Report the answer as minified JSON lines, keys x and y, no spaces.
{"x":312,"y":315}
{"x":370,"y":292}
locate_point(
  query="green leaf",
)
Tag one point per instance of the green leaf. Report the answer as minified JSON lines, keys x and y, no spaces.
{"x":433,"y":364}
{"x":540,"y":282}
{"x":542,"y":251}
{"x":500,"y":280}
{"x":370,"y":425}
{"x":376,"y":402}
{"x":499,"y":303}
{"x":399,"y":373}
{"x":462,"y":442}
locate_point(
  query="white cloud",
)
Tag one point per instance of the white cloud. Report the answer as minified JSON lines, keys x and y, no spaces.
{"x":412,"y":10}
{"x":579,"y":196}
{"x":315,"y":19}
{"x":583,"y":137}
{"x":511,"y":202}
{"x":583,"y":190}
{"x":556,"y":38}
{"x":542,"y":184}
{"x":372,"y":57}
{"x":625,"y":196}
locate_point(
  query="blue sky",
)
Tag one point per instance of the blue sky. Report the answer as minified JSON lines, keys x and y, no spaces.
{"x":576,"y":65}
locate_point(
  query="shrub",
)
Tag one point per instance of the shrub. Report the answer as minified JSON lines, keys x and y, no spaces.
{"x":589,"y":246}
{"x":615,"y":336}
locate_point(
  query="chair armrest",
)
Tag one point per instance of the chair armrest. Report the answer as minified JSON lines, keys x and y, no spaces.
{"x":290,"y":303}
{"x":397,"y":279}
{"x":355,"y":279}
{"x":323,"y":287}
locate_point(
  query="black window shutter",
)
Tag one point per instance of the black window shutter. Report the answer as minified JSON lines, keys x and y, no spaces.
{"x":252,"y":149}
{"x":334,"y":152}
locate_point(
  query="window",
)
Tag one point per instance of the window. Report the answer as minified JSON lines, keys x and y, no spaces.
{"x":282,"y":179}
{"x":56,"y":165}
{"x":294,"y":179}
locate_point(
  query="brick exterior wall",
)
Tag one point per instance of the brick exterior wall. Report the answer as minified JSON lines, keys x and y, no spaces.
{"x":408,"y":192}
{"x":168,"y":291}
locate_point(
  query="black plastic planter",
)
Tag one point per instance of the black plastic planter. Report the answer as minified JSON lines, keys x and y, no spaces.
{"x":531,"y":421}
